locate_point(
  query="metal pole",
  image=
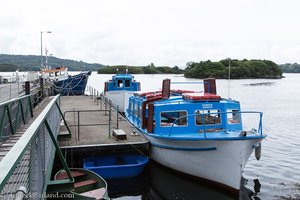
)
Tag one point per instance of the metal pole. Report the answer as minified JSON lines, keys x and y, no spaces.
{"x":97,"y":97}
{"x":78,"y":126}
{"x":117,"y":116}
{"x":229,"y":80}
{"x":94,"y":95}
{"x":41,"y":88}
{"x":109,"y":124}
{"x":42,"y":45}
{"x":41,"y":48}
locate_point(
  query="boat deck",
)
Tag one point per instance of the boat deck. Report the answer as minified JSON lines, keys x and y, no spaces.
{"x":90,"y":127}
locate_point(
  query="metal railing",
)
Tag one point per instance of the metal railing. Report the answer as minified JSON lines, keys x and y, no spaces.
{"x":259,"y":129}
{"x":78,"y":124}
{"x":9,"y":91}
{"x":13,"y":113}
{"x":105,"y":102}
{"x":28,"y":165}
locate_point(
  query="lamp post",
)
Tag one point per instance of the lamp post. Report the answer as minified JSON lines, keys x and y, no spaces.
{"x":42,"y":45}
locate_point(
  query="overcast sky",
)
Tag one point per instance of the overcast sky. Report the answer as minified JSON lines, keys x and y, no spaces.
{"x":138,"y":32}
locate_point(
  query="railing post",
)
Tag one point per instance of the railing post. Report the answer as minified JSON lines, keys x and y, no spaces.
{"x":42,"y":88}
{"x":27,"y":88}
{"x":94,"y":95}
{"x":101,"y":102}
{"x":109,"y":124}
{"x":78,"y":124}
{"x":117,"y":116}
{"x":105,"y":102}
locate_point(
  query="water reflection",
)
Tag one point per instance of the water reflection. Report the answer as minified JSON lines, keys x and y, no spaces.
{"x":260,"y":84}
{"x":159,"y":183}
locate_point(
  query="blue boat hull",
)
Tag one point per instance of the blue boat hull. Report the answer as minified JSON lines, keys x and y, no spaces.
{"x":116,"y":166}
{"x":74,"y":85}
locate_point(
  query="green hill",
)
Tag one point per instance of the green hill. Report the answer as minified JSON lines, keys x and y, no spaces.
{"x":33,"y":63}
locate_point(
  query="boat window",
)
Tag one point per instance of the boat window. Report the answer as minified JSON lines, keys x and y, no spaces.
{"x":130,"y":107}
{"x":207,"y":117}
{"x":136,"y":109}
{"x":127,"y":83}
{"x":120,"y":83}
{"x":233,"y":116}
{"x":168,"y":118}
{"x":140,"y":112}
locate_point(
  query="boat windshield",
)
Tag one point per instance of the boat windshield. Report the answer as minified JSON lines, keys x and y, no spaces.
{"x":233,"y":116}
{"x":207,"y":117}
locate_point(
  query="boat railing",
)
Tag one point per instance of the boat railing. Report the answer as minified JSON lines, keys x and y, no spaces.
{"x":27,"y":166}
{"x":259,"y":129}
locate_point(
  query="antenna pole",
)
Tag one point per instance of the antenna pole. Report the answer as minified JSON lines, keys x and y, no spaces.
{"x":229,"y":79}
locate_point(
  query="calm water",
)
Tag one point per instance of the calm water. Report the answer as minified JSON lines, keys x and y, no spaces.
{"x":278,"y":170}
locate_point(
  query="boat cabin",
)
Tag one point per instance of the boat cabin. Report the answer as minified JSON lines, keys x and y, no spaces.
{"x":172,"y":112}
{"x":56,"y":74}
{"x":122,"y":82}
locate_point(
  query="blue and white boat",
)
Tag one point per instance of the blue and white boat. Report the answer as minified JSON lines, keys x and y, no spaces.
{"x":116,"y":166}
{"x":65,"y":84}
{"x":197,"y":133}
{"x":120,"y":88}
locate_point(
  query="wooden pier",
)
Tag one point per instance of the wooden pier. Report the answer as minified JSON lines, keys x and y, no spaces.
{"x":93,"y":127}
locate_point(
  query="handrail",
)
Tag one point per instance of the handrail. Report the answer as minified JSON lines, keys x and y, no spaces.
{"x":27,"y":143}
{"x":202,"y":114}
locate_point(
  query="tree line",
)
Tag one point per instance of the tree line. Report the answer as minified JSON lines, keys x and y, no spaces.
{"x":290,"y":68}
{"x":202,"y":69}
{"x":149,"y":69}
{"x":238,"y":69}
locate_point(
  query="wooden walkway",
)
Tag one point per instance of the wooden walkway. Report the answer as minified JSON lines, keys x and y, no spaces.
{"x":90,"y":133}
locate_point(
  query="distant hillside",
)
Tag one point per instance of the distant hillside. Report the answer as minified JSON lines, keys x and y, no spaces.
{"x":33,"y":63}
{"x":290,"y":68}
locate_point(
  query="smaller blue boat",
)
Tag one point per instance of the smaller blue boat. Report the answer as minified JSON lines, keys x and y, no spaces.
{"x":116,"y":166}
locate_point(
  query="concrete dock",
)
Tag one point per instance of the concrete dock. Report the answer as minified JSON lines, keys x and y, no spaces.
{"x":91,"y":132}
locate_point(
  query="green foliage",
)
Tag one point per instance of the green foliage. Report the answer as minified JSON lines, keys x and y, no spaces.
{"x":238,"y":69}
{"x":8,"y":67}
{"x":290,"y":68}
{"x":150,"y":69}
{"x":33,"y":63}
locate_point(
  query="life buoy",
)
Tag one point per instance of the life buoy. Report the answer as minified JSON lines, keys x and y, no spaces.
{"x":153,"y":95}
{"x":200,"y":96}
{"x":148,"y":93}
{"x":178,"y":91}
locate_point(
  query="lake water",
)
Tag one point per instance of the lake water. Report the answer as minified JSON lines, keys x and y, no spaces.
{"x":278,"y":170}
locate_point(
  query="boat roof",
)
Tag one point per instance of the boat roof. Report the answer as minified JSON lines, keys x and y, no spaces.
{"x":123,"y":76}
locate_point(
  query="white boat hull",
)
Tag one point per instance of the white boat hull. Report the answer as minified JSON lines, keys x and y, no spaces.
{"x":120,"y":97}
{"x":220,"y":161}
